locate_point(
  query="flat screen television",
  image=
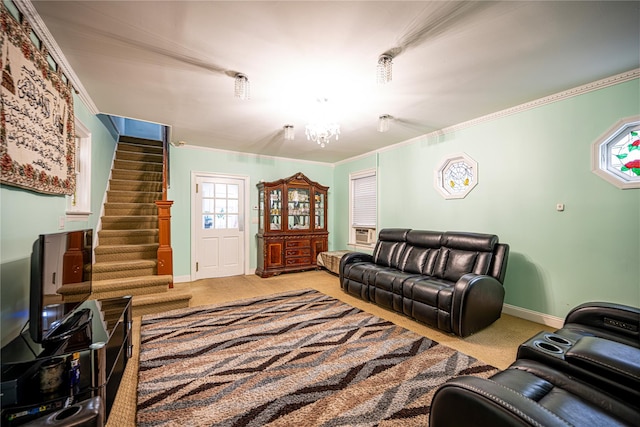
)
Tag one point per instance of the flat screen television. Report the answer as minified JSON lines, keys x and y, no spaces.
{"x":60,"y":281}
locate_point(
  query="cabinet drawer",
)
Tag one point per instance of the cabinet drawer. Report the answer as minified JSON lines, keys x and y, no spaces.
{"x":298,"y":261}
{"x":298,"y":243}
{"x":298,"y":252}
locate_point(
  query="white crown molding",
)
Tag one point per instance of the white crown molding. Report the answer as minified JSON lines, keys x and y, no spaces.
{"x":580,"y":90}
{"x":37,"y":24}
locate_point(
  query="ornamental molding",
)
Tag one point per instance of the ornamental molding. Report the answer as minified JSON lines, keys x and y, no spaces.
{"x":39,"y":27}
{"x":570,"y":93}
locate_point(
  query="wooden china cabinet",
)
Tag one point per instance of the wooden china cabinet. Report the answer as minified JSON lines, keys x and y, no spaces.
{"x":292,"y":214}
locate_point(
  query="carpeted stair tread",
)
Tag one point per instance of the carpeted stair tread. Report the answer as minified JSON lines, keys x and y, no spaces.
{"x":140,"y":141}
{"x":127,"y":237}
{"x":138,"y":156}
{"x":129,"y":222}
{"x":115,"y":209}
{"x":136,"y":175}
{"x":133,"y":196}
{"x":131,"y":185}
{"x":106,"y":267}
{"x":137,"y":148}
{"x":124,"y":233}
{"x":135,"y":165}
{"x":160,"y":302}
{"x":118,"y":249}
{"x":133,"y":282}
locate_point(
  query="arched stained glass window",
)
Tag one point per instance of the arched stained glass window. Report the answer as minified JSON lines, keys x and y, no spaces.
{"x":616,"y":154}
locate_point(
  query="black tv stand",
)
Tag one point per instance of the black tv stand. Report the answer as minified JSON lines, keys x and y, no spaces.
{"x":79,"y":319}
{"x":99,"y":334}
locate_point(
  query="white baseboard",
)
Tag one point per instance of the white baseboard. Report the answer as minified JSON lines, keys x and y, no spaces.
{"x":181,"y":279}
{"x":533,"y":316}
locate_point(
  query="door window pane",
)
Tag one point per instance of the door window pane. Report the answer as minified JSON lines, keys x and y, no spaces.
{"x":221,"y":206}
{"x":232,"y":206}
{"x":207,"y":206}
{"x":232,"y":221}
{"x":221,"y":190}
{"x":207,"y":222}
{"x":207,"y":189}
{"x":233,"y":191}
{"x":221,"y":221}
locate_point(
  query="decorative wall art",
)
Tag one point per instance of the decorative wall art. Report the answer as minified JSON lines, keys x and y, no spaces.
{"x":37,"y":134}
{"x":456,"y":176}
{"x":615,"y":156}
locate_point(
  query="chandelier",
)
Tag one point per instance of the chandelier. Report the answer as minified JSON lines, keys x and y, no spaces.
{"x":322,"y":129}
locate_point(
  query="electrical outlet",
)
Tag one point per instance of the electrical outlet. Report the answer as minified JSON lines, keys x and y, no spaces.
{"x":61,"y":223}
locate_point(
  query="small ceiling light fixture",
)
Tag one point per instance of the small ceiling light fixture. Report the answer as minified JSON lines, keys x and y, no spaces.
{"x":384,"y":69}
{"x":289,"y":133}
{"x":383,"y":123}
{"x":241,"y":87}
{"x":322,"y":128}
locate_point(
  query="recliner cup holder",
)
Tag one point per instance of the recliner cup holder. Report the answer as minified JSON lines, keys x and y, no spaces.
{"x":548,"y":347}
{"x":68,"y":412}
{"x":557,"y":339}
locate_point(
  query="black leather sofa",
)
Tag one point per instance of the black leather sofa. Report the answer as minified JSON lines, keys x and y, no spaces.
{"x":585,"y":374}
{"x":448,"y":280}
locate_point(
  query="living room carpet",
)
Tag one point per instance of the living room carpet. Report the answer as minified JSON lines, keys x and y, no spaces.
{"x":296,"y":358}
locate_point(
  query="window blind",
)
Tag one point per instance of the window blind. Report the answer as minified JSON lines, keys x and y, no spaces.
{"x":364,"y":201}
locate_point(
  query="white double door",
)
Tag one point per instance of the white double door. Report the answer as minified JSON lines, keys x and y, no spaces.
{"x":218,"y":226}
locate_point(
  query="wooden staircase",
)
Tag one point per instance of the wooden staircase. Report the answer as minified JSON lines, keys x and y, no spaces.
{"x":126,"y":255}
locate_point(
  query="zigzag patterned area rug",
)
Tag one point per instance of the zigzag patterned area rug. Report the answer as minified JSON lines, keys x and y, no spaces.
{"x":299,"y":358}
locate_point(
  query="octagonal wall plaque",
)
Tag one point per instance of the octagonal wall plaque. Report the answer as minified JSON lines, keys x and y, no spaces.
{"x":615,"y":156}
{"x":456,"y":176}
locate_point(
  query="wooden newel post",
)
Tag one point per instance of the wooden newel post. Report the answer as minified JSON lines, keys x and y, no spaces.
{"x":165,"y":253}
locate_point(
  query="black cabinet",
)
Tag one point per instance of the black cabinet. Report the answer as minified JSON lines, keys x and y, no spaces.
{"x":41,"y":379}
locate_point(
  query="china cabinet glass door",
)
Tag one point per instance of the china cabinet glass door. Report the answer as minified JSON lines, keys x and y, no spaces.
{"x":275,"y":209}
{"x":261,"y":209}
{"x":298,"y":206}
{"x":319,"y":210}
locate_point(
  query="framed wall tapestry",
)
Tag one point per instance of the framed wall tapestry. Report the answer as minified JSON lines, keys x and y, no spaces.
{"x":37,"y":122}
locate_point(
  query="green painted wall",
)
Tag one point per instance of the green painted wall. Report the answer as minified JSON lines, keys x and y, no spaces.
{"x":186,"y":159}
{"x":26,"y":214}
{"x":527,"y":163}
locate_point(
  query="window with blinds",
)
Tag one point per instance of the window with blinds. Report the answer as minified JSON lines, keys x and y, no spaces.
{"x":363,"y":201}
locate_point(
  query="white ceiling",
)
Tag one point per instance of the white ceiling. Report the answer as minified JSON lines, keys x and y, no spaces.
{"x":173,"y":62}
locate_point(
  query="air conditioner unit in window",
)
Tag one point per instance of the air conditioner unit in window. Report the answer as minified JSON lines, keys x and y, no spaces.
{"x":365,"y":236}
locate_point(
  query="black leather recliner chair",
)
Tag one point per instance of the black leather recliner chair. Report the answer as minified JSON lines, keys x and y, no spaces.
{"x":585,"y":374}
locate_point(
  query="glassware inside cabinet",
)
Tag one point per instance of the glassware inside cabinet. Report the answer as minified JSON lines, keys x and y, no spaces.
{"x":275,"y":212}
{"x":298,"y":209}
